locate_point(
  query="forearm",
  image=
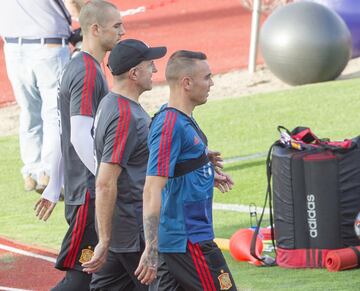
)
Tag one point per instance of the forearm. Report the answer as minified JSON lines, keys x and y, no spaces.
{"x":151,"y":226}
{"x":104,"y":207}
{"x":151,"y":208}
{"x":52,"y":191}
{"x":85,"y":151}
{"x":106,"y":193}
{"x":83,"y":141}
{"x":146,"y":271}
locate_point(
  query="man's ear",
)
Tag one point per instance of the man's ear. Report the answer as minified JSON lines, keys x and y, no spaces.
{"x":186,"y":83}
{"x":94,"y":28}
{"x":133,"y":74}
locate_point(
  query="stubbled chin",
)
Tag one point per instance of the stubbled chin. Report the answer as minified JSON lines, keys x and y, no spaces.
{"x":204,"y":101}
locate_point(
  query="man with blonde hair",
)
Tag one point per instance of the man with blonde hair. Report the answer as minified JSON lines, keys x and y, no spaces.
{"x":82,"y":86}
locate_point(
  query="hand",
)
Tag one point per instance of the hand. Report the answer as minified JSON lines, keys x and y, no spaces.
{"x":146,"y":271}
{"x":223,"y":181}
{"x":216,"y":159}
{"x":44,"y":208}
{"x":98,"y":259}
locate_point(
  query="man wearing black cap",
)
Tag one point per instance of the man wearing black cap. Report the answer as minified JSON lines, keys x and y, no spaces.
{"x":121,"y":129}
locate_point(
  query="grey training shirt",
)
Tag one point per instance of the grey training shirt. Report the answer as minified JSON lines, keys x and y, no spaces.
{"x":121,"y":129}
{"x":82,"y":86}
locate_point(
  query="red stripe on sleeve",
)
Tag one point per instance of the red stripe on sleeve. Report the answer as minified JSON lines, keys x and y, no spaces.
{"x":113,"y":156}
{"x":91,"y":85}
{"x":84,"y":90}
{"x":88,"y":86}
{"x":121,"y":131}
{"x":121,"y":127}
{"x":122,"y":142}
{"x":162,"y":145}
{"x":169,"y":139}
{"x":165,"y":144}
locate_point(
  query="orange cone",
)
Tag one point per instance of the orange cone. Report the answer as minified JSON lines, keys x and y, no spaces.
{"x":240,"y":243}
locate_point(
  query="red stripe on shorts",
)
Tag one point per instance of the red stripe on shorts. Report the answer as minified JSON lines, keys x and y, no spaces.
{"x":207,"y":271}
{"x":193,"y":255}
{"x":81,"y":229}
{"x":77,"y":233}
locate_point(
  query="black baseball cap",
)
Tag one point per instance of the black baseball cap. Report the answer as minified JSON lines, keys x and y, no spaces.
{"x":130,"y":52}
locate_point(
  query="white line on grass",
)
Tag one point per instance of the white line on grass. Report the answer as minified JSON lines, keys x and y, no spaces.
{"x":27,"y":253}
{"x":237,"y":208}
{"x":244,"y":158}
{"x":12,"y":289}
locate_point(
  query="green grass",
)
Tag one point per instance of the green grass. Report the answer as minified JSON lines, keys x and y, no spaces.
{"x":236,"y":127}
{"x":249,"y":277}
{"x":247,"y":125}
{"x":17,"y":219}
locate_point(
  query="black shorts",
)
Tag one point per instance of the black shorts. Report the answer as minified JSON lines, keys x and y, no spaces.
{"x":74,"y":281}
{"x":118,"y":273}
{"x":202,"y":267}
{"x":81,"y":238}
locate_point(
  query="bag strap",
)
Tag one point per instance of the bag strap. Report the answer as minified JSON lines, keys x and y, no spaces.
{"x":281,"y":128}
{"x":266,"y":260}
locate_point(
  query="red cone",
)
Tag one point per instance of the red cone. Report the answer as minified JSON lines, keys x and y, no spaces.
{"x":240,"y":243}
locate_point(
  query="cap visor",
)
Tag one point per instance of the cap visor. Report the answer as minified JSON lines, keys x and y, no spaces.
{"x":155,"y":53}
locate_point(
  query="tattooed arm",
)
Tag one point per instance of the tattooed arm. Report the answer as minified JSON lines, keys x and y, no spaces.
{"x":146,"y":271}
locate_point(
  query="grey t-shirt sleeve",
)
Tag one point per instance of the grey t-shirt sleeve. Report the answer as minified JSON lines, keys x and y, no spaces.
{"x":85,"y":88}
{"x":120,"y":140}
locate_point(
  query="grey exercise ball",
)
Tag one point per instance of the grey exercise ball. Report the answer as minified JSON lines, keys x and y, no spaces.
{"x":305,"y":42}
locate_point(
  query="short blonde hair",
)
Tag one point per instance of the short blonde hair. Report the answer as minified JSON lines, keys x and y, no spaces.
{"x":94,"y":11}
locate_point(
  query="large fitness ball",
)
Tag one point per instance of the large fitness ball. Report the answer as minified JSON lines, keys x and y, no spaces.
{"x":349,"y":10}
{"x":305,"y":42}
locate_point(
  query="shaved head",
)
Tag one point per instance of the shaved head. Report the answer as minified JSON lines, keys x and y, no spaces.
{"x":181,"y":64}
{"x":94,"y":11}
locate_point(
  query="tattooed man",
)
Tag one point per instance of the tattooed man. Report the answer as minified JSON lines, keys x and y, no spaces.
{"x":178,"y":192}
